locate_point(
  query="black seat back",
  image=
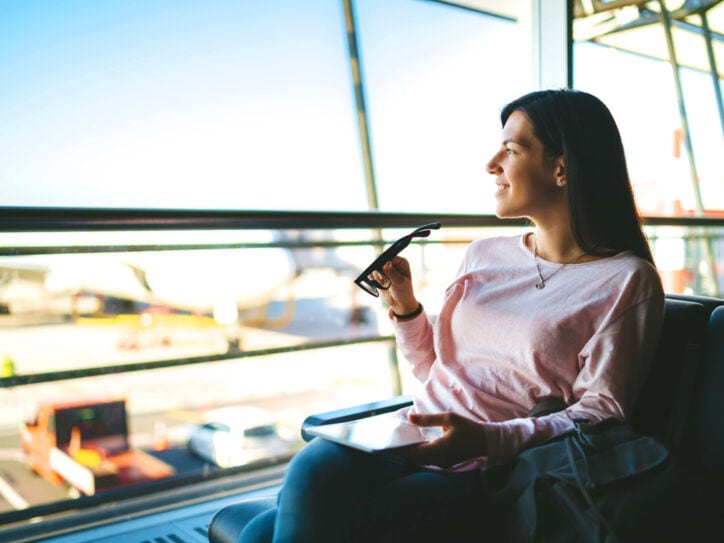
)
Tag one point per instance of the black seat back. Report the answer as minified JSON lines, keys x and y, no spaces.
{"x":663,"y":404}
{"x":704,"y":444}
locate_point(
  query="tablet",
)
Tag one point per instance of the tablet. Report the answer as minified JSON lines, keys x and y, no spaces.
{"x":375,"y":434}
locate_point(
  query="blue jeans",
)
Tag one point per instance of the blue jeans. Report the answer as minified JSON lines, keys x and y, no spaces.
{"x":336,"y":494}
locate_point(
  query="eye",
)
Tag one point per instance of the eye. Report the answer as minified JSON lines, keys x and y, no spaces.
{"x":509,"y":151}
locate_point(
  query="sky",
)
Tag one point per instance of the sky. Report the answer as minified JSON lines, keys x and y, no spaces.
{"x":249,"y":105}
{"x":244,"y":105}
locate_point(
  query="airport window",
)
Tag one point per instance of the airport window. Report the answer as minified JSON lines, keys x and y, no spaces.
{"x":186,"y":192}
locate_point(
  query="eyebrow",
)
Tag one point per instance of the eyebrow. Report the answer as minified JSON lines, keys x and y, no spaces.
{"x":517,"y":142}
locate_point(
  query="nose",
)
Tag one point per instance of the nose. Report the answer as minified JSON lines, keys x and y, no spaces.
{"x":493,"y":165}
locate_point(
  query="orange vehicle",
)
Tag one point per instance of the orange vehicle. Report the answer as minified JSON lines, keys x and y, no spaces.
{"x":85,"y":444}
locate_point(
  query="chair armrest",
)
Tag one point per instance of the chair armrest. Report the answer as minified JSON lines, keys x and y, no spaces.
{"x":228,"y":522}
{"x":354,"y":412}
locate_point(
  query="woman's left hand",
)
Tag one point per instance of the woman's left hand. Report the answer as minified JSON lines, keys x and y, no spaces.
{"x":462,"y":439}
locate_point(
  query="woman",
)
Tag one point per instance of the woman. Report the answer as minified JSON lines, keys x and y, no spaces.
{"x":569,"y":311}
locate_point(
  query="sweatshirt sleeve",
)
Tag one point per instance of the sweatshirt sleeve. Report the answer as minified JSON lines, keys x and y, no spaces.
{"x":416,"y":343}
{"x":415,"y":338}
{"x":613,"y":366}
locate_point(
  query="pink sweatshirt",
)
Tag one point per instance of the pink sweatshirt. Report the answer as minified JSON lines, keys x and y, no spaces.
{"x":499,"y":345}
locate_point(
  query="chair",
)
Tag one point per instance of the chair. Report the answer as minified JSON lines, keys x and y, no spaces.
{"x":662,"y":409}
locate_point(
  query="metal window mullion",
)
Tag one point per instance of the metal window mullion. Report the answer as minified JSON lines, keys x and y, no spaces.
{"x":713,"y":67}
{"x":355,"y":63}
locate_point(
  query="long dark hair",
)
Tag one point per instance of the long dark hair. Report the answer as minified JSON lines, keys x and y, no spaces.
{"x":580,"y":128}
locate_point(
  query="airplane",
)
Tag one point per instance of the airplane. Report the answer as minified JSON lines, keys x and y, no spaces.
{"x":228,"y":286}
{"x":206,"y":282}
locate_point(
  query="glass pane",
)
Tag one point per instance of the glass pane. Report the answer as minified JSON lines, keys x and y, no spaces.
{"x":436,"y":79}
{"x":690,"y":260}
{"x":166,"y":104}
{"x":628,"y":44}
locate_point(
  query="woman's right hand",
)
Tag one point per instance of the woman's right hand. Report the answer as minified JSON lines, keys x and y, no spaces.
{"x":400,"y":295}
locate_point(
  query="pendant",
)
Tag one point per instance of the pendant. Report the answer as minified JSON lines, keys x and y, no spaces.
{"x":540,"y":286}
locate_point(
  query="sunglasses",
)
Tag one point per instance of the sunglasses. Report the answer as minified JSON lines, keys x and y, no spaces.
{"x":372,"y":286}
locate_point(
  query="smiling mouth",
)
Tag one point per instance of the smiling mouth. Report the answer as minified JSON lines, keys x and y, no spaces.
{"x":501,"y":187}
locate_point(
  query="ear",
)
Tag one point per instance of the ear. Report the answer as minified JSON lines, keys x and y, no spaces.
{"x":560,"y":172}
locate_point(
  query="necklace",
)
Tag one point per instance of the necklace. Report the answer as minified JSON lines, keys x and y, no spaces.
{"x":540,"y":285}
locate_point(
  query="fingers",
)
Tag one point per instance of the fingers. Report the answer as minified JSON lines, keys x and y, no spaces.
{"x":437,"y":451}
{"x":435,"y":419}
{"x":382,"y":280}
{"x":462,"y":440}
{"x":397,"y":269}
{"x":396,"y":285}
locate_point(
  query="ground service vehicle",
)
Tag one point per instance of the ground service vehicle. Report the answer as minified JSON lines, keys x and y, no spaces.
{"x":85,"y":443}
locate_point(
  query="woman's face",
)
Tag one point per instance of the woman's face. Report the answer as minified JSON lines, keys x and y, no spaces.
{"x":526,"y":183}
